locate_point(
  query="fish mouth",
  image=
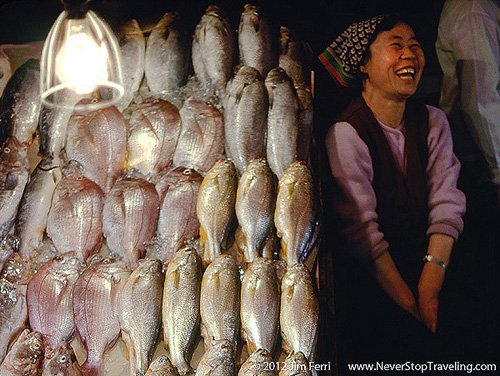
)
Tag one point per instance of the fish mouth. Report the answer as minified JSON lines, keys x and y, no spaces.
{"x":406,"y":73}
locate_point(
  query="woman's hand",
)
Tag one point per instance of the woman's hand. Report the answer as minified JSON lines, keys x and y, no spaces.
{"x":432,"y":278}
{"x":388,"y":277}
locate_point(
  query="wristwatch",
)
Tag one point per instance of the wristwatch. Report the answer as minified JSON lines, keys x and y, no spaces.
{"x":435,"y":260}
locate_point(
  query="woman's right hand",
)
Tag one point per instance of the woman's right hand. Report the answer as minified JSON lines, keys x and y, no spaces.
{"x":388,"y":277}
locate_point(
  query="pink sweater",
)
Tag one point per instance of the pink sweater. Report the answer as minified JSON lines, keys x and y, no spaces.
{"x":351,"y":166}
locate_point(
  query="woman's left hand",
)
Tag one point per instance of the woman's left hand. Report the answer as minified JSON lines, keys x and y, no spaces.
{"x":429,"y":286}
{"x":432,"y":278}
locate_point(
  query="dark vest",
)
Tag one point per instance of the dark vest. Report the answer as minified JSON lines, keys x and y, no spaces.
{"x":402,"y":204}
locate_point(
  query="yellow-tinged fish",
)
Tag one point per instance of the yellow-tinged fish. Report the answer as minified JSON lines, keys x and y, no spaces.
{"x":162,"y":366}
{"x":181,"y":307}
{"x":215,"y":208}
{"x":259,"y":363}
{"x":260,"y":305}
{"x":299,"y":315}
{"x":218,"y":360}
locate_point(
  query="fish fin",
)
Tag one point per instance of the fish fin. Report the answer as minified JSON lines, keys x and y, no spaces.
{"x":11,"y":182}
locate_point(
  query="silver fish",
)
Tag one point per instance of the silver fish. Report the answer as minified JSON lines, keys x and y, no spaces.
{"x":306,"y":119}
{"x":259,"y":363}
{"x":61,"y":362}
{"x":299,"y":315}
{"x":245,"y":117}
{"x":5,"y":70}
{"x":167,"y":56}
{"x":255,"y":201}
{"x":7,"y":246}
{"x":296,"y":364}
{"x":95,"y":304}
{"x":140,"y":313}
{"x":20,"y":103}
{"x":292,"y":57}
{"x":154,"y":130}
{"x":256,"y":40}
{"x":181,"y":307}
{"x":218,"y":360}
{"x":25,"y":357}
{"x":295,"y":217}
{"x":53,"y":124}
{"x":75,"y":217}
{"x":215,"y":208}
{"x":214,"y":49}
{"x":98,"y":141}
{"x":162,"y":366}
{"x":220,"y":300}
{"x":177,"y":222}
{"x":14,"y":279}
{"x":130,"y":216}
{"x":282,"y":121}
{"x":31,"y":220}
{"x":133,"y":52}
{"x":260,"y":306}
{"x":50,"y":299}
{"x":14,"y":175}
{"x":201,"y":142}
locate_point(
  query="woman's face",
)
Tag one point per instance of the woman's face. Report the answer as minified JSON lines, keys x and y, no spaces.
{"x":396,"y":63}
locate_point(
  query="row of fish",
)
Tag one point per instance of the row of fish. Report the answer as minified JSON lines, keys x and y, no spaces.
{"x":105,"y":299}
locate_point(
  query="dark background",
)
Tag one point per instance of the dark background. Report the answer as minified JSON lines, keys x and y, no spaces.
{"x":469,"y":326}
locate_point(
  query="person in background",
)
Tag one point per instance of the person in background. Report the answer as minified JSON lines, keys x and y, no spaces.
{"x":468,"y":49}
{"x":397,"y":202}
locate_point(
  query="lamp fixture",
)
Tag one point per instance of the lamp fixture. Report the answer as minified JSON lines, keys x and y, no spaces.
{"x":80,"y":60}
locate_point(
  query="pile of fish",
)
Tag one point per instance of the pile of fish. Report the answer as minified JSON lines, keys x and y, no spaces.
{"x":186,"y":209}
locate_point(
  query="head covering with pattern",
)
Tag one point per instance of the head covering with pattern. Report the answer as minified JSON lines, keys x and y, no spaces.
{"x":344,"y":56}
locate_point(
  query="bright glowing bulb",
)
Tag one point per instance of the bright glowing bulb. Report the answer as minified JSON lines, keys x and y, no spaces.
{"x":82,"y":63}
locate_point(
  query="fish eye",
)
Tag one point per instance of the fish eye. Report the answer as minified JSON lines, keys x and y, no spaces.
{"x":106,"y":261}
{"x":6,"y":150}
{"x":163,"y":359}
{"x":63,"y":359}
{"x":36,"y":346}
{"x":187,"y":171}
{"x":59,"y":258}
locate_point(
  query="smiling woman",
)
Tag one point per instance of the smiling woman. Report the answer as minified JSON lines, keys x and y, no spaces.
{"x":392,"y":159}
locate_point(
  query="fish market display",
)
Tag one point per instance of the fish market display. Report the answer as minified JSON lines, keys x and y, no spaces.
{"x":20,"y":104}
{"x":161,"y":366}
{"x":75,"y":218}
{"x":32,"y":216}
{"x":255,"y":201}
{"x":181,"y":307}
{"x":257,"y":40}
{"x":98,"y":142}
{"x":245,"y":117}
{"x":139,"y":312}
{"x":177,"y":222}
{"x":153,"y":133}
{"x":133,"y":54}
{"x":95,"y":303}
{"x":260,"y":305}
{"x":282,"y":121}
{"x":14,"y":175}
{"x":167,"y":56}
{"x":61,"y":362}
{"x":218,"y":360}
{"x":201,"y":142}
{"x":258,"y":364}
{"x":292,"y":57}
{"x":295,"y":216}
{"x":14,"y":279}
{"x":220,"y":300}
{"x":177,"y":211}
{"x":213,"y":50}
{"x":5,"y":70}
{"x":50,"y":299}
{"x":299,"y":315}
{"x":215,"y":208}
{"x":25,"y":357}
{"x":296,"y":364}
{"x":130,"y":216}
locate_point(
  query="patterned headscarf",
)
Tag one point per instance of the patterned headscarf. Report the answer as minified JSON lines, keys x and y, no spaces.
{"x":344,"y":56}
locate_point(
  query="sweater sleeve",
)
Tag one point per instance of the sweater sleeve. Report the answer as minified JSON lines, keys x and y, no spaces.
{"x":351,"y":166}
{"x":446,"y":201}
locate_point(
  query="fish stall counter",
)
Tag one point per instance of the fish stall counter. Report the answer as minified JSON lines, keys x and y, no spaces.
{"x":177,"y":230}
